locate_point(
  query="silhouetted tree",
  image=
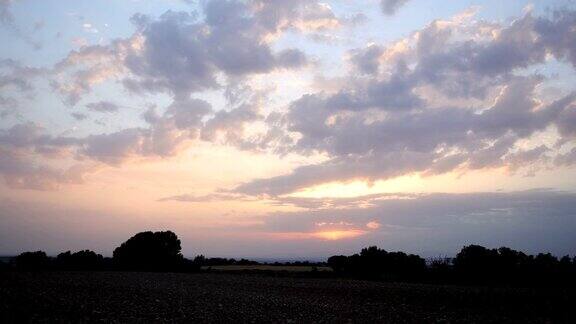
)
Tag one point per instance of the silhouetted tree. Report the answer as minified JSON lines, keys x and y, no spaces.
{"x":246,"y":262}
{"x":373,"y":262}
{"x":476,"y":263}
{"x":150,"y":251}
{"x":32,"y":261}
{"x":81,"y":260}
{"x":200,"y":260}
{"x":203,"y":261}
{"x":338,"y":263}
{"x":440,"y":270}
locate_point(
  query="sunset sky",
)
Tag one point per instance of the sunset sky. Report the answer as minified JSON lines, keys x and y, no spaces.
{"x":288,"y":128}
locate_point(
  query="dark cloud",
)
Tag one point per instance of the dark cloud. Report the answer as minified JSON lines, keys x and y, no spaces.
{"x":390,"y":7}
{"x":116,"y":147}
{"x":31,"y":136}
{"x":103,"y":106}
{"x":533,"y":220}
{"x":558,"y":34}
{"x":367,"y":167}
{"x":366,"y":60}
{"x":79,"y":116}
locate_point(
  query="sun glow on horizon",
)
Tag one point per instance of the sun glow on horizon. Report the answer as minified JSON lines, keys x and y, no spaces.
{"x":326,"y":235}
{"x":338,"y":234}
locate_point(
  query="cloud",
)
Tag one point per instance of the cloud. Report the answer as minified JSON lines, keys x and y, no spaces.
{"x":20,"y":172}
{"x":82,"y":69}
{"x":430,"y":141}
{"x":8,"y":107}
{"x":166,"y":136}
{"x":8,"y":21}
{"x":230,"y":126}
{"x":433,"y":224}
{"x":373,"y":225}
{"x":390,"y":7}
{"x":558,"y":34}
{"x":103,"y":106}
{"x":79,"y":116}
{"x":24,"y":151}
{"x":18,"y":76}
{"x":434,"y":102}
{"x":430,"y":225}
{"x":440,"y":104}
{"x":276,"y":16}
{"x":181,"y":55}
{"x":6,"y":16}
{"x":116,"y":147}
{"x":30,"y":136}
{"x":367,"y":167}
{"x":213,"y":197}
{"x":366,"y":60}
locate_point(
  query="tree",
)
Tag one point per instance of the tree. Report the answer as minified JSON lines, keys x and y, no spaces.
{"x":150,"y":251}
{"x":476,"y":260}
{"x":81,"y":260}
{"x":338,"y":263}
{"x":32,"y":261}
{"x":373,"y":262}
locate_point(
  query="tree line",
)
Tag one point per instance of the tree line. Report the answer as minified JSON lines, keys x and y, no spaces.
{"x":474,"y":264}
{"x":145,"y":251}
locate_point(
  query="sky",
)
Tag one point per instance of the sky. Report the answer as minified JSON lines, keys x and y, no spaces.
{"x":288,"y":129}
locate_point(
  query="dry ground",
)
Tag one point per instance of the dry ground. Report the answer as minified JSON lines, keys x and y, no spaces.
{"x":220,"y":297}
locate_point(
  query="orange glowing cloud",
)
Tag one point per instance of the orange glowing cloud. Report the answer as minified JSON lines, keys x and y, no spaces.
{"x":373,"y":225}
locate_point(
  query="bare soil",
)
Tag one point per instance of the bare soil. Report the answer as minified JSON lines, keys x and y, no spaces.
{"x":120,"y":297}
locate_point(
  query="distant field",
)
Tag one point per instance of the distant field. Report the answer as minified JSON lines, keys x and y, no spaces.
{"x":218,"y":297}
{"x":267,"y":268}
